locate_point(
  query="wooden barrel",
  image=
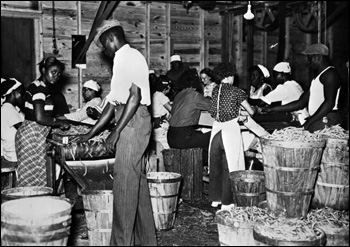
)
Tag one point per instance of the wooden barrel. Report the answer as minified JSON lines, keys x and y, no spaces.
{"x":248,"y":187}
{"x":98,"y":208}
{"x":335,"y":236}
{"x":23,"y":192}
{"x":36,"y":221}
{"x":164,"y":189}
{"x":262,"y":239}
{"x":290,"y":174}
{"x":332,"y":185}
{"x":232,"y":231}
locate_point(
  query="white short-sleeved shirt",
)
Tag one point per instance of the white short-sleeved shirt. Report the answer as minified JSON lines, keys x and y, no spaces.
{"x":286,"y":93}
{"x":129,"y":66}
{"x":158,"y":102}
{"x":81,"y":115}
{"x":10,"y":116}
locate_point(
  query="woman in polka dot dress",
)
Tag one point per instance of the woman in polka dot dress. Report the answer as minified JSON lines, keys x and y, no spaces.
{"x":226,"y":146}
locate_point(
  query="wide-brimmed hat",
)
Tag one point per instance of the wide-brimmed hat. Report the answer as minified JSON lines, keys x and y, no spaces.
{"x":92,"y":85}
{"x":283,"y":67}
{"x":316,"y":49}
{"x":106,"y":24}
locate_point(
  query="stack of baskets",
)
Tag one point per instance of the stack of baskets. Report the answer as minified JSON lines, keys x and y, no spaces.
{"x":292,"y":160}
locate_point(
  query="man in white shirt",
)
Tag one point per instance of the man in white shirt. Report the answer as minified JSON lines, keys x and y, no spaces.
{"x":133,"y":222}
{"x":287,"y":90}
{"x":322,"y":97}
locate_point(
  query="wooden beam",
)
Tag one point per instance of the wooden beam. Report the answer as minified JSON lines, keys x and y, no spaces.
{"x":202,"y":57}
{"x":80,"y":70}
{"x":102,"y":14}
{"x":282,"y":32}
{"x":250,"y":44}
{"x":148,"y":34}
{"x":168,"y":30}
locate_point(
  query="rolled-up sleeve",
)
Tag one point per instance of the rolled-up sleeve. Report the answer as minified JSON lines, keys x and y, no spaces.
{"x":279,"y":94}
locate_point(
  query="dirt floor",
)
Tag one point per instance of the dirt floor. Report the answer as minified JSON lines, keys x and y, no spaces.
{"x":194,"y":226}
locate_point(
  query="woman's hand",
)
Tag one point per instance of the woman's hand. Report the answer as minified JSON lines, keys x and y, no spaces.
{"x":81,"y":138}
{"x":266,"y":109}
{"x":63,"y":124}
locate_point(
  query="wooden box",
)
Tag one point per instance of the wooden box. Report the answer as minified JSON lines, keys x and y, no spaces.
{"x":189,"y":163}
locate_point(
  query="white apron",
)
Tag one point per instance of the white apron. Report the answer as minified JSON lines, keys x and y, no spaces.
{"x":232,"y":141}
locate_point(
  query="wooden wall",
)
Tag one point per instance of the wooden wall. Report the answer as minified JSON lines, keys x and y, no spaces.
{"x":160,"y":29}
{"x":157,"y":30}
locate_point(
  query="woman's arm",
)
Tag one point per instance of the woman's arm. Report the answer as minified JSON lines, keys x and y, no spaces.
{"x":248,"y":107}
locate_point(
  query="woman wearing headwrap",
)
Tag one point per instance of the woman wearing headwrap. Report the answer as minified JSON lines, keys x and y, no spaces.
{"x":31,"y":136}
{"x":91,"y":95}
{"x":259,"y":85}
{"x":12,"y":94}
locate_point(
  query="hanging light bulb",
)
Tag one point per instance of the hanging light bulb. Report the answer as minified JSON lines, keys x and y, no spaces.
{"x":249,"y":15}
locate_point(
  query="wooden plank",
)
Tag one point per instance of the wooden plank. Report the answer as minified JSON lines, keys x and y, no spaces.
{"x":147,"y":33}
{"x":197,"y":160}
{"x":169,"y":50}
{"x":187,"y":174}
{"x":202,"y":43}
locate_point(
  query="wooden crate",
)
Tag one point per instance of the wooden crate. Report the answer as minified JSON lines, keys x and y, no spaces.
{"x":189,"y":163}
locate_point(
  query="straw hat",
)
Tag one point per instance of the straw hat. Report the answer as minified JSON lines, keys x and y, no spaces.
{"x":106,"y":24}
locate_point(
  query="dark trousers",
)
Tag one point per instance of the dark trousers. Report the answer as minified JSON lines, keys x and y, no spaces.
{"x":219,"y":180}
{"x":187,"y":137}
{"x":133,"y":222}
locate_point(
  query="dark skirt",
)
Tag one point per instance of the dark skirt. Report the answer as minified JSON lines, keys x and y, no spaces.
{"x":188,"y":137}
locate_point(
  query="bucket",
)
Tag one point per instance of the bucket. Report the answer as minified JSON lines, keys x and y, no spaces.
{"x":248,"y":187}
{"x":164,"y":189}
{"x":36,"y":221}
{"x":23,"y":192}
{"x":290,"y":174}
{"x":262,"y":239}
{"x":335,"y":236}
{"x":332,"y":185}
{"x":98,"y":208}
{"x":240,"y":234}
{"x":234,"y":228}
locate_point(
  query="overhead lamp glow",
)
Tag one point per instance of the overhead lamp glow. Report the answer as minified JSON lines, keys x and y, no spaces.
{"x":249,"y":15}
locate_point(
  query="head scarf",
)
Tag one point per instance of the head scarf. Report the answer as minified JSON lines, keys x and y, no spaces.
{"x":264,"y":70}
{"x":10,"y":90}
